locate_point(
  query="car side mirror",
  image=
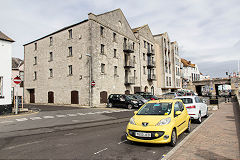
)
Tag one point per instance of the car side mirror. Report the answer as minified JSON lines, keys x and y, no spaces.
{"x":178,"y":113}
{"x":135,"y":112}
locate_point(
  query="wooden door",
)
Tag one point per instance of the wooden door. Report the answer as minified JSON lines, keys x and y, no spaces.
{"x":103,"y":97}
{"x":32,"y":96}
{"x":50,"y":97}
{"x":74,"y":97}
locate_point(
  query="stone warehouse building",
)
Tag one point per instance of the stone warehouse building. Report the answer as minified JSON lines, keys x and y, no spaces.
{"x":61,"y":67}
{"x":168,"y":57}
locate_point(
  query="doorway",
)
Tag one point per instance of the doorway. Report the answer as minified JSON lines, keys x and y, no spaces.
{"x":74,"y":97}
{"x":50,"y":97}
{"x":103,"y":97}
{"x":32,"y":95}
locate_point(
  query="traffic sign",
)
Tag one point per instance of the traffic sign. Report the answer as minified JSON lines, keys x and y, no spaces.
{"x":93,"y":83}
{"x":17,"y":80}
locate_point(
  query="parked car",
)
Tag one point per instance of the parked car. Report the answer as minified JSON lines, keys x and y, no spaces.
{"x":196,"y":108}
{"x":159,"y":121}
{"x":147,"y":95}
{"x":140,"y":98}
{"x":122,"y":100}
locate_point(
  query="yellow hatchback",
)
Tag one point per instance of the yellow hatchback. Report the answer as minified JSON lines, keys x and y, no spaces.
{"x":159,"y":121}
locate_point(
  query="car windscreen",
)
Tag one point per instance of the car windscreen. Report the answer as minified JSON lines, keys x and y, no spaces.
{"x":187,"y":100}
{"x":155,"y":109}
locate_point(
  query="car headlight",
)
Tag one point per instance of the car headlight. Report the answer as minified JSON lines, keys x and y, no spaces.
{"x":135,"y":102}
{"x":164,"y":121}
{"x":132,"y":121}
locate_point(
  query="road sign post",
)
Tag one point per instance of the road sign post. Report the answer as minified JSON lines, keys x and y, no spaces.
{"x":17,"y":80}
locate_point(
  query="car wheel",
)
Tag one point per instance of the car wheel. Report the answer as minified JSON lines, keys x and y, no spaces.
{"x":199,"y":120}
{"x":109,"y":105}
{"x":129,"y":106}
{"x":173,"y":138}
{"x":189,"y":126}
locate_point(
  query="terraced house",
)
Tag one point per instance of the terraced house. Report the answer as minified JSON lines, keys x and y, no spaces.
{"x":63,"y":67}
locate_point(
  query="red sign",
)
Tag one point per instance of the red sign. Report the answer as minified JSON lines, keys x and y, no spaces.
{"x":17,"y":80}
{"x":93,"y":83}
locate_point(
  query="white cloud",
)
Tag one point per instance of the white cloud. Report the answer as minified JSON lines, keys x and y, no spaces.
{"x":205,"y":28}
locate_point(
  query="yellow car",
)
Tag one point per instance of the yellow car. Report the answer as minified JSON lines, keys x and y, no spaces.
{"x":159,"y":121}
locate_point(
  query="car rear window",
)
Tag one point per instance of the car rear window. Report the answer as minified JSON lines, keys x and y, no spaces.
{"x":187,"y":100}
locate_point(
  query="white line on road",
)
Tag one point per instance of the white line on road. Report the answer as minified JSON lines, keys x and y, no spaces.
{"x":35,"y":118}
{"x":22,"y":119}
{"x":21,"y":145}
{"x":47,"y":117}
{"x":60,"y":116}
{"x":90,"y":113}
{"x":101,"y":150}
{"x":122,"y":142}
{"x":81,"y":114}
{"x":6,"y":122}
{"x":69,"y":134}
{"x":72,"y":115}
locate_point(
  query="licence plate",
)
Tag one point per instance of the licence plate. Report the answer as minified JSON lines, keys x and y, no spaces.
{"x":142,"y":134}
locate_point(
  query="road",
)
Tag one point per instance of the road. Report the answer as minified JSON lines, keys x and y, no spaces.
{"x":72,"y":137}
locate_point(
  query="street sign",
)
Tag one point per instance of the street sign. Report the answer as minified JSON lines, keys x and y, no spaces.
{"x":17,"y":80}
{"x":93,"y":83}
{"x":211,"y":88}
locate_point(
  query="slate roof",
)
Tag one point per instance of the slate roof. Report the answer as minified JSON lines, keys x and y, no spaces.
{"x":5,"y":37}
{"x":16,"y":63}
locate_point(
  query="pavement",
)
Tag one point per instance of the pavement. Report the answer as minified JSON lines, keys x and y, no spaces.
{"x":218,"y":138}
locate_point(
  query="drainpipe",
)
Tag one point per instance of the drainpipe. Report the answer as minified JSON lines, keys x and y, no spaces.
{"x":89,"y":54}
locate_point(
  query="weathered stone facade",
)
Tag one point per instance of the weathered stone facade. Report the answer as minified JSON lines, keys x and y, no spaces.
{"x":60,"y":67}
{"x":168,"y":62}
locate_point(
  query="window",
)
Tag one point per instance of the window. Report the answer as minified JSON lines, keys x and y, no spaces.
{"x":70,"y":70}
{"x":35,"y":61}
{"x":115,"y":53}
{"x":1,"y":86}
{"x":70,"y":33}
{"x":101,"y":30}
{"x":115,"y":70}
{"x":134,"y":59}
{"x":133,"y":45}
{"x":102,"y":68}
{"x":69,"y":51}
{"x":35,"y":46}
{"x":50,"y":56}
{"x":144,"y":69}
{"x":35,"y":75}
{"x":167,"y":80}
{"x":144,"y":57}
{"x":144,"y":42}
{"x":51,"y":41}
{"x":102,"y":49}
{"x":50,"y":72}
{"x":170,"y":81}
{"x":114,"y":37}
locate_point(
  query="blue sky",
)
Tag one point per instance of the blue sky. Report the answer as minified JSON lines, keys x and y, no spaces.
{"x":207,"y":31}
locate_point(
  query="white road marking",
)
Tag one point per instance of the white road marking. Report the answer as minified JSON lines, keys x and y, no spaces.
{"x":6,"y":122}
{"x":69,"y":134}
{"x":122,"y":142}
{"x":47,"y":117}
{"x":22,"y":119}
{"x":35,"y":118}
{"x":72,"y":115}
{"x":75,"y":120}
{"x":21,"y":145}
{"x":90,"y":113}
{"x":101,"y":150}
{"x":81,"y":114}
{"x":60,"y":116}
{"x":99,"y":112}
